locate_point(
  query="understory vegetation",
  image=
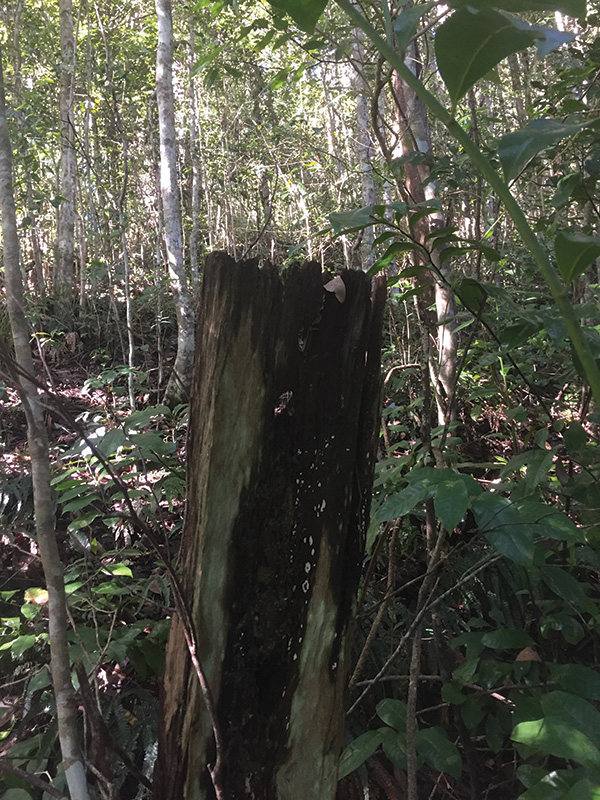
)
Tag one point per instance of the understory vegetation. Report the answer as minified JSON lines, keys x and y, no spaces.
{"x":478,"y":617}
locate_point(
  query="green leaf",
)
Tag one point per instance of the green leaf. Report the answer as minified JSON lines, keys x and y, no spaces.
{"x":403,"y":502}
{"x":574,"y":711}
{"x":40,"y":680}
{"x":16,"y":794}
{"x":584,"y":790}
{"x":575,"y":252}
{"x":79,"y":502}
{"x":557,"y":738}
{"x":305,"y":13}
{"x":545,"y":520}
{"x":564,"y":585}
{"x":117,"y":569}
{"x":358,"y":751}
{"x":406,"y":23}
{"x":471,"y":43}
{"x":22,"y":643}
{"x":579,"y":680}
{"x":472,"y":295}
{"x":543,"y":785}
{"x":83,"y":521}
{"x":355,"y":220}
{"x":516,"y":149}
{"x":394,"y":746}
{"x":575,"y":437}
{"x":576,"y":8}
{"x":140,"y":419}
{"x":439,"y":752}
{"x":451,"y":500}
{"x":503,"y":527}
{"x":393,"y":713}
{"x":451,"y":693}
{"x":507,"y":639}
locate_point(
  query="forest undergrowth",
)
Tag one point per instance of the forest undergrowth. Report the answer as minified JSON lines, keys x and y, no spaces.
{"x":477,"y":635}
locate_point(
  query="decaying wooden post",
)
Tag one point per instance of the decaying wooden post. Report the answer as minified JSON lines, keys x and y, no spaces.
{"x":283,"y":422}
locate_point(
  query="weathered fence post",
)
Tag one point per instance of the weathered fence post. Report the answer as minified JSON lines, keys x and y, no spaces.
{"x":283,"y":422}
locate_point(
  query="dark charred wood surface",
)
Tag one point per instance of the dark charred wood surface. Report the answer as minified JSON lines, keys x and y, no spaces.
{"x":283,"y":421}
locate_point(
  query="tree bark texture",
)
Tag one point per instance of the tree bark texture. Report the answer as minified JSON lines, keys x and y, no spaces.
{"x":420,"y":188}
{"x":43,"y":499}
{"x":178,"y":385}
{"x":65,"y":231}
{"x":283,"y":422}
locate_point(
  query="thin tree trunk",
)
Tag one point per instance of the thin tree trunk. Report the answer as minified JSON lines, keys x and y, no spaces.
{"x":66,"y":706}
{"x":274,"y":533}
{"x":121,"y":202}
{"x":179,"y":381}
{"x":65,"y":228}
{"x":194,"y":156}
{"x":364,"y":144}
{"x":420,"y":187}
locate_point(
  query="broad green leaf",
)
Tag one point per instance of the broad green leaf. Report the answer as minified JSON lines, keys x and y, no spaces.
{"x":358,"y":751}
{"x":394,"y":746}
{"x":40,"y":680}
{"x":557,"y":738}
{"x":139,"y":419}
{"x":117,"y":569}
{"x":112,"y":588}
{"x":396,"y":248}
{"x":401,"y":503}
{"x":579,"y":680}
{"x":305,"y":13}
{"x":406,"y":23}
{"x":79,"y":502}
{"x":111,"y":441}
{"x":543,"y":785}
{"x":22,"y":643}
{"x":516,"y":149}
{"x":507,"y":639}
{"x":451,"y":693}
{"x":576,"y":8}
{"x":83,"y":521}
{"x":545,"y":520}
{"x":500,"y":520}
{"x":472,"y":295}
{"x":575,"y":437}
{"x":564,"y":585}
{"x":471,"y":43}
{"x":16,"y":794}
{"x":354,"y":220}
{"x":494,"y":733}
{"x":574,"y":711}
{"x":575,"y":252}
{"x":451,"y":500}
{"x":393,"y":713}
{"x":439,"y":752}
{"x":584,"y":790}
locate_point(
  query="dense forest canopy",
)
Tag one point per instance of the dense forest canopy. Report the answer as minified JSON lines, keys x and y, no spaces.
{"x":452,"y":148}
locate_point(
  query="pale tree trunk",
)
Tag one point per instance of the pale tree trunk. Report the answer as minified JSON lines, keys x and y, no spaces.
{"x":364,"y":144}
{"x":22,"y":373}
{"x":415,"y":136}
{"x":36,"y":252}
{"x":121,"y":202}
{"x":179,"y":381}
{"x":274,"y":533}
{"x":65,"y":228}
{"x":195,"y":158}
